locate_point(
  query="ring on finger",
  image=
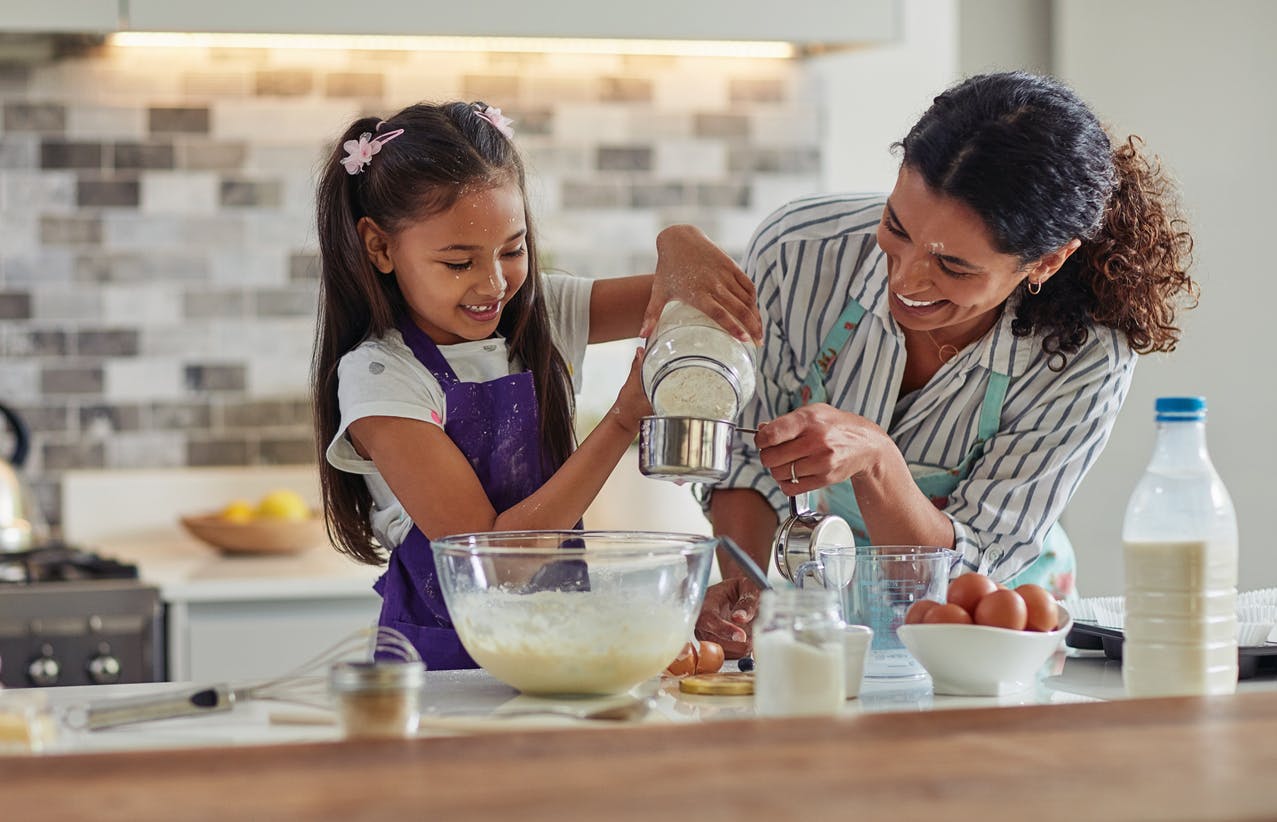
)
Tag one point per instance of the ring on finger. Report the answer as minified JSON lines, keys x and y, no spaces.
{"x":793,"y":474}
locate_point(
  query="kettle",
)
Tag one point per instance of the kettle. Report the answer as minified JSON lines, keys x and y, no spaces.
{"x":22,"y":526}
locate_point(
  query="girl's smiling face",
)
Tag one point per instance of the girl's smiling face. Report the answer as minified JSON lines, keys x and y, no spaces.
{"x":458,"y":269}
{"x":944,"y":272}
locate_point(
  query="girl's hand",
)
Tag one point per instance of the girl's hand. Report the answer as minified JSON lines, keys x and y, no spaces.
{"x":631,"y":403}
{"x":726,"y":614}
{"x":690,"y":268}
{"x":820,"y":445}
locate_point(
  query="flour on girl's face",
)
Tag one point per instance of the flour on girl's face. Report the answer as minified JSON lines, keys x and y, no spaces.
{"x":460,"y":268}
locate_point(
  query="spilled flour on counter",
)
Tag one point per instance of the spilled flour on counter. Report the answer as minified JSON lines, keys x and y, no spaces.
{"x":570,"y":642}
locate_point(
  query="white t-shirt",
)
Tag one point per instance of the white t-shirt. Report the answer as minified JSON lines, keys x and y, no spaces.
{"x":382,"y":378}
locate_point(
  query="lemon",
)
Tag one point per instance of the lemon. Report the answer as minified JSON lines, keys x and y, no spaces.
{"x":282,"y":504}
{"x":240,"y":510}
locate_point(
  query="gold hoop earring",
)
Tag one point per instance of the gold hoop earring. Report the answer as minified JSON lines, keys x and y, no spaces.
{"x":1033,"y":287}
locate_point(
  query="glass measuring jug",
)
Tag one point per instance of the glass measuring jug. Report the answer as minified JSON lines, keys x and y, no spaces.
{"x":694,"y":368}
{"x":876,"y":585}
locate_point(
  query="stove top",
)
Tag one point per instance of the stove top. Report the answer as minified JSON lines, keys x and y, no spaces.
{"x":57,"y":562}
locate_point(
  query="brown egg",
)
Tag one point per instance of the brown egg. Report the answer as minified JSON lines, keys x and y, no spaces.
{"x":1042,"y":614}
{"x":948,"y":613}
{"x":1002,"y":609}
{"x":710,"y":658}
{"x":685,"y":663}
{"x":918,"y":611}
{"x":966,"y":590}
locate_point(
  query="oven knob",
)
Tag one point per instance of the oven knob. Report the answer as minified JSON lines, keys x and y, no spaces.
{"x":44,"y":669}
{"x":104,"y":669}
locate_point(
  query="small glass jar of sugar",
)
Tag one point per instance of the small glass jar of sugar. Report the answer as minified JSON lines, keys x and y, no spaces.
{"x":694,"y":368}
{"x":799,"y":653}
{"x":378,"y":699}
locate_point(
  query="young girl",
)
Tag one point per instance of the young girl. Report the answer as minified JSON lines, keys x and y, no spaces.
{"x":445,"y":360}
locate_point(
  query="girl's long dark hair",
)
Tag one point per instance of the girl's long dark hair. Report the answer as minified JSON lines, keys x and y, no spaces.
{"x":444,"y":151}
{"x":1034,"y":162}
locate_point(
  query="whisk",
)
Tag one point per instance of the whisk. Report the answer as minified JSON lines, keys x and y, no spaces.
{"x":306,"y":684}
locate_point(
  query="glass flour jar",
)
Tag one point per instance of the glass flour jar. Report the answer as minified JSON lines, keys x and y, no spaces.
{"x":694,"y":368}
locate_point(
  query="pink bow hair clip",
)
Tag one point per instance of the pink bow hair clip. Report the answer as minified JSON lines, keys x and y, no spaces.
{"x":359,"y":152}
{"x":500,"y":122}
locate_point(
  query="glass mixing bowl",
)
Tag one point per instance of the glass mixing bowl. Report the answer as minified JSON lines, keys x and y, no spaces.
{"x":573,"y":613}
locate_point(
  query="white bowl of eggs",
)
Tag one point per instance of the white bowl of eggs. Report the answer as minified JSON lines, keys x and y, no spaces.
{"x":986,"y":640}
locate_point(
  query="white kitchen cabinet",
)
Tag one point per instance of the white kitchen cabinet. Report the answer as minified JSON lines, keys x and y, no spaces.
{"x":245,"y":640}
{"x":229,"y":618}
{"x":797,"y":21}
{"x":59,"y":15}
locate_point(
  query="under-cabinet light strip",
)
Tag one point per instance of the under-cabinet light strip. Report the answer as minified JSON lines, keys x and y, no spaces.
{"x":355,"y":42}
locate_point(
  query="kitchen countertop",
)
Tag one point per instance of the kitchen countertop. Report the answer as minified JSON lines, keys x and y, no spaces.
{"x":187,"y":570}
{"x":1069,"y":746}
{"x":133,"y":516}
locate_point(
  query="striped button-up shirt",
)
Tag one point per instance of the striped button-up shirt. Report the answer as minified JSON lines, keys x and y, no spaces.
{"x":813,"y":255}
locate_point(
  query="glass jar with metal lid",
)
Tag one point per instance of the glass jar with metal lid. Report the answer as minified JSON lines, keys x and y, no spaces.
{"x":694,"y":368}
{"x":378,"y":699}
{"x":800,"y":653}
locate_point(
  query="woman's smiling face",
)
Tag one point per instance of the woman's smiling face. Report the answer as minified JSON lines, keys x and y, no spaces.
{"x":944,"y":271}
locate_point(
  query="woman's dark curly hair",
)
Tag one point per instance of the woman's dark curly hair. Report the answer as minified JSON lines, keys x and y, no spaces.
{"x":1034,"y":162}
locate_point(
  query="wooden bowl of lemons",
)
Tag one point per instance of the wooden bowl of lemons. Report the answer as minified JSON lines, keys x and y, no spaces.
{"x":279,"y":523}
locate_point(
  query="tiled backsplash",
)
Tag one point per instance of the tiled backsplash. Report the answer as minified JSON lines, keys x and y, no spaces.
{"x":157,"y":255}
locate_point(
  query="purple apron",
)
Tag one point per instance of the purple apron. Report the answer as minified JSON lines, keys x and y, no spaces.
{"x":495,"y":424}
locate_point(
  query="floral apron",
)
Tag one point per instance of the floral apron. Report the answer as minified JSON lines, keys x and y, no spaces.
{"x":1053,"y":569}
{"x":495,"y":424}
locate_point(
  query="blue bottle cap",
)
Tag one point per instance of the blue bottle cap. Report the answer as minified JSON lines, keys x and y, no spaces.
{"x":1180,"y":408}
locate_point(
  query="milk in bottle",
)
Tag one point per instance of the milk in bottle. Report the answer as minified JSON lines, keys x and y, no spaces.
{"x":1180,"y":538}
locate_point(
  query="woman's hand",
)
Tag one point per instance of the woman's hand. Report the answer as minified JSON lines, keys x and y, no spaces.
{"x":729,"y":608}
{"x":819,"y":445}
{"x":690,"y":268}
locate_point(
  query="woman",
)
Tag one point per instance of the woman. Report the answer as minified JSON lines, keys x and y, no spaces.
{"x":946,"y":363}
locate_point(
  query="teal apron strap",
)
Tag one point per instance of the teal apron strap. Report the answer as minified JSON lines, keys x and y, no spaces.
{"x":1056,"y":567}
{"x":991,"y":409}
{"x":813,"y":389}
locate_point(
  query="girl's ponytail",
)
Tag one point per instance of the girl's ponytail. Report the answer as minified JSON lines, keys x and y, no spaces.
{"x":350,"y":303}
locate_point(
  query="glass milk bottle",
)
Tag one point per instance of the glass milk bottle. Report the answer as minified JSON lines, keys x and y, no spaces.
{"x":1180,"y":538}
{"x":694,"y":368}
{"x":799,"y":653}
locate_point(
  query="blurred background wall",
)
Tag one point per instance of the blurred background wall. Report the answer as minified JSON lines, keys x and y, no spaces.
{"x":157,"y":261}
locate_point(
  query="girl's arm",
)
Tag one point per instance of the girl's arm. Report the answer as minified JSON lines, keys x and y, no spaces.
{"x":746,"y":516}
{"x":439,"y":490}
{"x":616,"y":307}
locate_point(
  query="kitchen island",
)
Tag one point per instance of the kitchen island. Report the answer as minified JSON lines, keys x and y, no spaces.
{"x":1067,"y":749}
